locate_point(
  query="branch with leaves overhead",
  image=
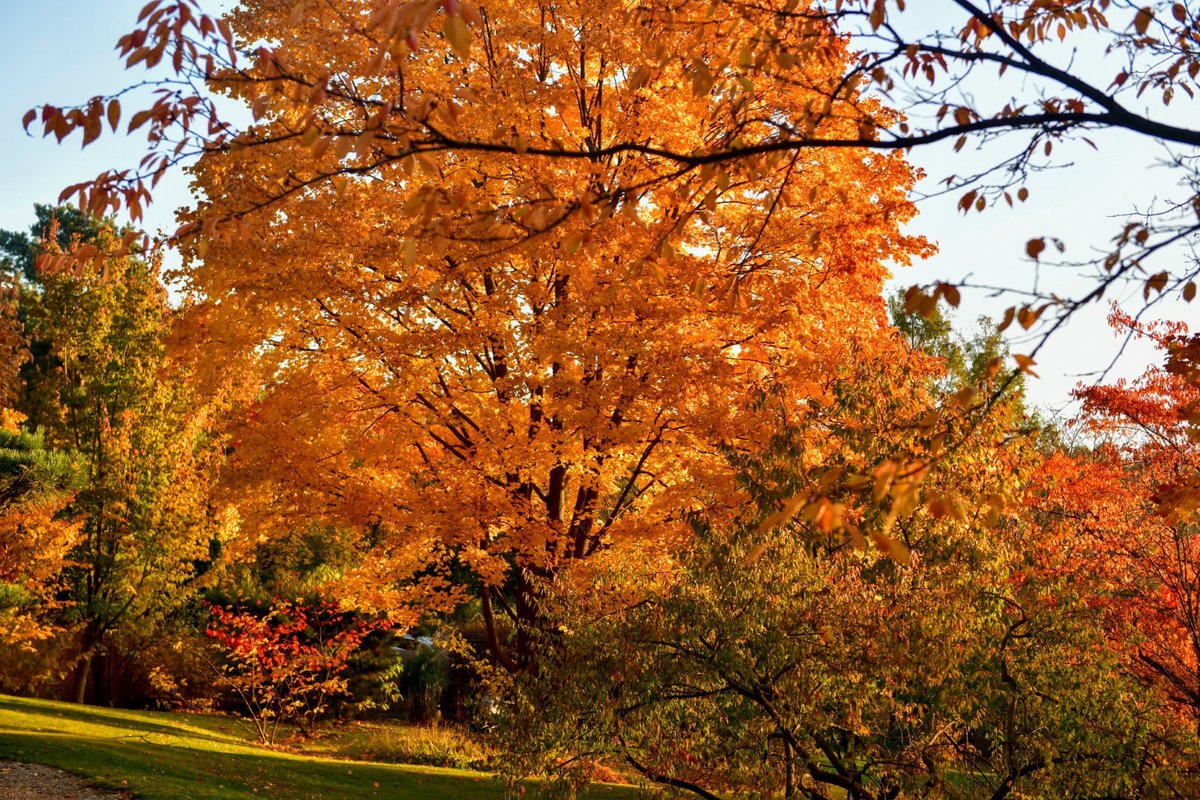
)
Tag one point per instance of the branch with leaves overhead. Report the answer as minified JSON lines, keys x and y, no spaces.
{"x":387,"y":113}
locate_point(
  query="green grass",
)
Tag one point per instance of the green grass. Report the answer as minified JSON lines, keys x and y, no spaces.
{"x":161,"y":756}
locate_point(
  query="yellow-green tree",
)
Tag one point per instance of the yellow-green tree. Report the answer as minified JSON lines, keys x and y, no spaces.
{"x":101,"y":386}
{"x":781,"y":654}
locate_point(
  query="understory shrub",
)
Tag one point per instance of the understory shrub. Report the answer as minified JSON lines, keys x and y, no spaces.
{"x":431,"y":745}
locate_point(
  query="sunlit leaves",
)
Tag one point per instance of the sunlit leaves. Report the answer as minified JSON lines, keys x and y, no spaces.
{"x":509,"y":362}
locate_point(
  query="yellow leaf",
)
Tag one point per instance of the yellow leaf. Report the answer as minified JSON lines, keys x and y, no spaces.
{"x":785,"y":514}
{"x":966,"y":397}
{"x":1028,"y":315}
{"x":884,"y":474}
{"x":893,"y":548}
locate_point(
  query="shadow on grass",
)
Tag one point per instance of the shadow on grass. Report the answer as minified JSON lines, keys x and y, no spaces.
{"x":116,"y":749}
{"x":166,"y":772}
{"x":42,"y":715}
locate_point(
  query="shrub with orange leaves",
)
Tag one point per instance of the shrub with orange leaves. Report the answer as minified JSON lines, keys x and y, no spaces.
{"x":36,"y":482}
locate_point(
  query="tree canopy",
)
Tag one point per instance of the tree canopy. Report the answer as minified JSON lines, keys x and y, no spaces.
{"x":894,"y":77}
{"x":572,"y":316}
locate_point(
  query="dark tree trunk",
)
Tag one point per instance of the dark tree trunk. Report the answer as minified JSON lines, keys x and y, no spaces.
{"x":83,"y":675}
{"x":86,"y":666}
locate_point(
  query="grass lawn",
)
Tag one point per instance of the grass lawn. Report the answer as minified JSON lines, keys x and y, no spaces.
{"x":162,"y":756}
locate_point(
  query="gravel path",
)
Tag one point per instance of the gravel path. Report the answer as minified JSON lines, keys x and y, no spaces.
{"x":36,"y":782}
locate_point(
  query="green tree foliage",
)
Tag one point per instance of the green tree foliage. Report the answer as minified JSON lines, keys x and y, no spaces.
{"x":302,"y":563}
{"x":29,"y":471}
{"x":777,"y":658}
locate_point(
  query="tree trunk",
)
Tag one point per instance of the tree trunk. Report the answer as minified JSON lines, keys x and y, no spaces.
{"x":83,"y":674}
{"x":789,"y":778}
{"x":85,"y":667}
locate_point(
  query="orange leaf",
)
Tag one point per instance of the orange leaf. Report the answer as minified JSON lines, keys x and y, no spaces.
{"x":1155,"y":283}
{"x":1025,"y":364}
{"x":1141,"y":22}
{"x":878,"y":14}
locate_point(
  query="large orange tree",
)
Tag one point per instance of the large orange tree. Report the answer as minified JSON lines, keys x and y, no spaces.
{"x":506,"y":363}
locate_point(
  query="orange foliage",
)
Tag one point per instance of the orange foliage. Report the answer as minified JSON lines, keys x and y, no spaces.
{"x":13,"y":350}
{"x":502,"y":360}
{"x":1123,"y":522}
{"x":34,"y":548}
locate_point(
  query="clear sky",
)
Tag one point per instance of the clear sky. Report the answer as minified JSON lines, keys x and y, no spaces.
{"x":61,"y":51}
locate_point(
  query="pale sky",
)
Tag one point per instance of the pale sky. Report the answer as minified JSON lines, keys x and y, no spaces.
{"x":61,"y":51}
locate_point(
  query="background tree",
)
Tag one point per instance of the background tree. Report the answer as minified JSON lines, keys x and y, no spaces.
{"x":35,"y":483}
{"x":100,"y":385}
{"x":1118,"y":518}
{"x":61,"y":224}
{"x":779,"y":658}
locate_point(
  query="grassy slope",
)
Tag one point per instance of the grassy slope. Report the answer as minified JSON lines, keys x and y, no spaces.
{"x":180,"y":757}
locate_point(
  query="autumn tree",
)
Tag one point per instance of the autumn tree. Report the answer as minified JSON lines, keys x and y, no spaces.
{"x":789,"y":656}
{"x":1123,"y":519}
{"x":507,"y":364}
{"x":1016,"y":77}
{"x":35,"y":483}
{"x":29,"y":358}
